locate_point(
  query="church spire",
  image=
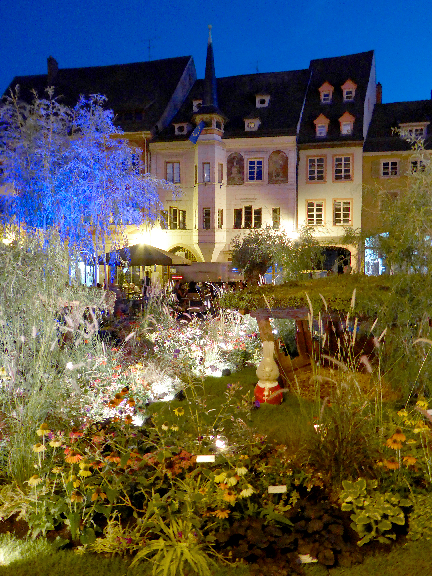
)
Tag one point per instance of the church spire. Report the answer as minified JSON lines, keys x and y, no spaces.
{"x":210,"y":88}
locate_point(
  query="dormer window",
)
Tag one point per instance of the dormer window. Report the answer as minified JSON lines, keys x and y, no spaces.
{"x":262,"y":100}
{"x":346,"y":123}
{"x":414,"y":130}
{"x":326,"y":93}
{"x":181,"y":129}
{"x":321,"y":126}
{"x":348,"y":90}
{"x":252,"y":124}
{"x":196,"y":104}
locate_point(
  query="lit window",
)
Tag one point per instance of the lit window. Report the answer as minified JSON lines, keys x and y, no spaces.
{"x":206,"y":218}
{"x":326,"y":97}
{"x":173,"y":172}
{"x":321,"y":126}
{"x":342,"y":213}
{"x":276,"y":218}
{"x":346,"y":128}
{"x":417,"y":130}
{"x":315,"y":213}
{"x":342,"y":168}
{"x":346,"y":123}
{"x":252,"y":124}
{"x":220,"y":173}
{"x":220,"y":218}
{"x":206,"y":171}
{"x":390,"y":168}
{"x":255,"y":170}
{"x":316,"y":169}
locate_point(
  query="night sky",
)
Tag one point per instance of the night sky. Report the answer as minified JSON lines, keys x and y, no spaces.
{"x":248,"y":36}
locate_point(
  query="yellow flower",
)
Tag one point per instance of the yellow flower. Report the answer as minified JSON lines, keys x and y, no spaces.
{"x":247,"y":492}
{"x":57,"y":470}
{"x":409,"y":460}
{"x":422,"y":403}
{"x":220,"y":477}
{"x":178,"y":411}
{"x":393,"y":443}
{"x":399,"y":435}
{"x":221,"y":514}
{"x":165,"y":426}
{"x":43,"y":430}
{"x":421,"y":427}
{"x":55,"y":443}
{"x":38,"y":447}
{"x":34,"y":480}
{"x":403,"y":413}
{"x":84,"y":472}
{"x":175,"y":428}
{"x":241,"y":471}
{"x":76,"y":497}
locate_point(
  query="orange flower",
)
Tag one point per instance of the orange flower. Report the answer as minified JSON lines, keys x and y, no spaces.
{"x":76,"y":497}
{"x":229,"y":497}
{"x":221,"y":514}
{"x":391,"y":464}
{"x":114,"y":457}
{"x":131,"y":402}
{"x":75,"y":433}
{"x":409,"y":460}
{"x":399,"y":435}
{"x":73,"y":457}
{"x":98,"y":494}
{"x":128,"y":419}
{"x":98,"y":438}
{"x":223,"y":486}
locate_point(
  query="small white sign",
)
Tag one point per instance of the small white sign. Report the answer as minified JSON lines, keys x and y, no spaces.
{"x":306,"y":559}
{"x":277,"y":489}
{"x":206,"y":458}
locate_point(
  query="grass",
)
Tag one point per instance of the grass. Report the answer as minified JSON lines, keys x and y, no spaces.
{"x":40,"y":558}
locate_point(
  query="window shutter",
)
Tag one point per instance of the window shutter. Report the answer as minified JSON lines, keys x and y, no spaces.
{"x":375,"y":168}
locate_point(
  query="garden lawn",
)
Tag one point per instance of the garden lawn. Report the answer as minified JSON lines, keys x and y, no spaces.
{"x":285,"y":424}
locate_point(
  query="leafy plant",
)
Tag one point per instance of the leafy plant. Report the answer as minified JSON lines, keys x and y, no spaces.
{"x":374,"y":514}
{"x":177,"y":549}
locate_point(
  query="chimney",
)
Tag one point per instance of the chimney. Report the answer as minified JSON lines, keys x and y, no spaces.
{"x":52,"y":70}
{"x":379,"y":93}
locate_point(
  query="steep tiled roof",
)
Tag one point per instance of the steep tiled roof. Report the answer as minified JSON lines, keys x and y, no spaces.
{"x":237,"y":101}
{"x":138,"y":93}
{"x":336,"y":71}
{"x":385,"y":117}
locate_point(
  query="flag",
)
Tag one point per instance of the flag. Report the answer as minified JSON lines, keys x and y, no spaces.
{"x":196,"y":133}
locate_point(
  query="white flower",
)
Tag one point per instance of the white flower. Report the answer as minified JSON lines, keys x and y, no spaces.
{"x":220,"y":477}
{"x":241,"y":471}
{"x":247,"y":492}
{"x":69,"y":366}
{"x":231,"y":481}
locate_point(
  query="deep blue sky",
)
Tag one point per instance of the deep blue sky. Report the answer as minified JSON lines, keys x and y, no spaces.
{"x":268,"y":35}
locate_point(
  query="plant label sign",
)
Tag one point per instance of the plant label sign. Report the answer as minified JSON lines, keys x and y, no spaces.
{"x":277,"y":489}
{"x":206,"y":458}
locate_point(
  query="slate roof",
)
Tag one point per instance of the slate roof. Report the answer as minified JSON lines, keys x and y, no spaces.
{"x":138,"y":93}
{"x":237,"y":101}
{"x":387,"y":116}
{"x":336,"y":71}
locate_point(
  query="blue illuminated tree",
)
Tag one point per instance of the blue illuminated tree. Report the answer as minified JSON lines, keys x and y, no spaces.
{"x":70,"y":169}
